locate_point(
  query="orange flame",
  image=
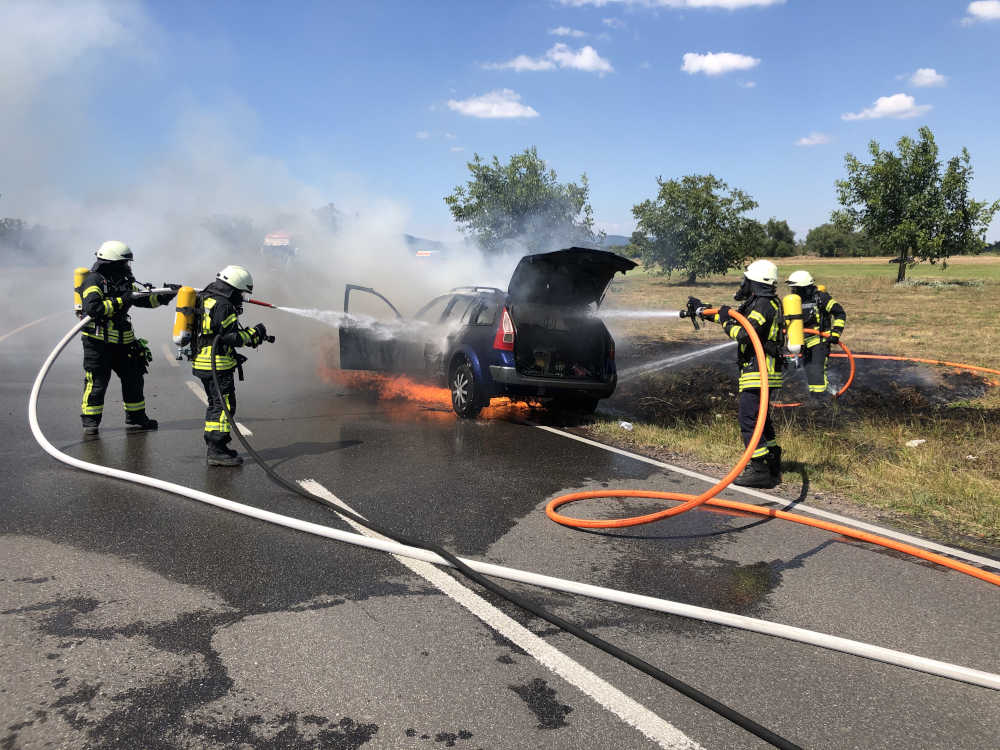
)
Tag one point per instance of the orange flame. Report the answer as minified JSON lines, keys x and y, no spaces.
{"x":401,"y":388}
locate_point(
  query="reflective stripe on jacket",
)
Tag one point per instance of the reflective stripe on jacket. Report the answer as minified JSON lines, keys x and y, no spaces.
{"x":104,"y":302}
{"x":219,"y":318}
{"x":764,"y":315}
{"x":826,"y":315}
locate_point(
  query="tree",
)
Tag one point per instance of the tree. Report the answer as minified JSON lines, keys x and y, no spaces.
{"x":835,"y":241}
{"x":780,"y":241}
{"x":903,"y":204}
{"x":524,"y":202}
{"x":696,"y":225}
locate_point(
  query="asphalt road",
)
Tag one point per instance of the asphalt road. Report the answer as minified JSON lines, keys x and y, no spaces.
{"x":132,"y":618}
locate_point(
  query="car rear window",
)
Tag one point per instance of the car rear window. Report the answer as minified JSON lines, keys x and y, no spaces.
{"x":483,"y":313}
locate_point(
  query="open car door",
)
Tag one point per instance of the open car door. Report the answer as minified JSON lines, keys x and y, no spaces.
{"x":370,"y":344}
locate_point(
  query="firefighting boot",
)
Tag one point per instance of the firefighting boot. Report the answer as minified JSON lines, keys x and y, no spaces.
{"x":91,"y":423}
{"x":756,"y":474}
{"x":218,"y":455}
{"x":137,"y":421}
{"x":774,"y":463}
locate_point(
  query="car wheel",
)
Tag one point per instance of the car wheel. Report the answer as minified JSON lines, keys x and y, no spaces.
{"x":466,"y":399}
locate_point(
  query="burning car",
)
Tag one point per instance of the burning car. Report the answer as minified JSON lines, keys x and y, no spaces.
{"x":538,"y":340}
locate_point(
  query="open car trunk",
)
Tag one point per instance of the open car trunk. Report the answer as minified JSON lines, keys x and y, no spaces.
{"x":551,"y":297}
{"x":557,"y":342}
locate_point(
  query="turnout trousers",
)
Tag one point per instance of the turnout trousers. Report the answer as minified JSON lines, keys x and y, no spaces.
{"x":749,"y":402}
{"x":216,"y":421}
{"x":99,"y":361}
{"x":817,"y":359}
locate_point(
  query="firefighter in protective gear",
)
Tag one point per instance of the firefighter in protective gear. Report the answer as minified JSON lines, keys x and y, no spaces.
{"x":109,"y":343}
{"x":216,"y":313}
{"x":758,"y":297}
{"x":823,"y":313}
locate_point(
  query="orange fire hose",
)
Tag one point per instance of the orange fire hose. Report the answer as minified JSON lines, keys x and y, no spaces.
{"x":847,"y":353}
{"x":708,"y":497}
{"x":957,"y":365}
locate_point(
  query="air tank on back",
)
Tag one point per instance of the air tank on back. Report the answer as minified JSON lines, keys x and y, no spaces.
{"x":791,"y":305}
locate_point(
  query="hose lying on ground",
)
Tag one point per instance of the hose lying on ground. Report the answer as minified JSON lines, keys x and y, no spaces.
{"x":850,"y":378}
{"x":657,"y":674}
{"x":799,"y":635}
{"x":709,"y":496}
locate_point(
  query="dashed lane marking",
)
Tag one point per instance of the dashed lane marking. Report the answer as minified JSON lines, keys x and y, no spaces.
{"x":170,"y":356}
{"x":196,"y":389}
{"x":28,"y":325}
{"x":658,"y":730}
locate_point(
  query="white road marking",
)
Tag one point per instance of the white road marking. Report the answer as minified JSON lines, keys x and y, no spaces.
{"x":28,"y":325}
{"x":170,"y":356}
{"x":662,"y":364}
{"x":658,"y":730}
{"x":915,"y":541}
{"x":197,"y":389}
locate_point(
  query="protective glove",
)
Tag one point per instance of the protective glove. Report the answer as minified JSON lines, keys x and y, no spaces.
{"x":124,"y":302}
{"x":694,"y":303}
{"x":724,"y":313}
{"x":833,"y":338}
{"x":260,"y":333}
{"x":165,"y":297}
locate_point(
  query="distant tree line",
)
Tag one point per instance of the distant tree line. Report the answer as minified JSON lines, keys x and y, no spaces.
{"x":901,"y":204}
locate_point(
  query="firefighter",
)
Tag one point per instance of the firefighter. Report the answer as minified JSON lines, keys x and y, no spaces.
{"x":109,"y":343}
{"x":216,"y":313}
{"x":823,"y":313}
{"x":758,"y":297}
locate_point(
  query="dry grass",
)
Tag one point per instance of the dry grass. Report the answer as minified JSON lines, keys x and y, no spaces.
{"x":949,"y":485}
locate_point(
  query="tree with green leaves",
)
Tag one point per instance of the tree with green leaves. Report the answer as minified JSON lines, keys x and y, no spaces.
{"x":904,"y":204}
{"x":834,"y":241}
{"x":696,"y":225}
{"x":522,"y":202}
{"x":780,"y":239}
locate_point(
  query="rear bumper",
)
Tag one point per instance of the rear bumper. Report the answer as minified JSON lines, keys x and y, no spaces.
{"x":508,"y":376}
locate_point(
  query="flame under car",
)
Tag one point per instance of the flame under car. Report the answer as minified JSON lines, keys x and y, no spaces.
{"x":539,"y":339}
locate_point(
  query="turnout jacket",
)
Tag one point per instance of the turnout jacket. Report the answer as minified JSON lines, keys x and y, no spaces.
{"x":764,"y":314}
{"x":825,"y":314}
{"x":106,"y":301}
{"x":218,"y":314}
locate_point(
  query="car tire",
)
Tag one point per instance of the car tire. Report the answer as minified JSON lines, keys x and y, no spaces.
{"x":466,"y":395}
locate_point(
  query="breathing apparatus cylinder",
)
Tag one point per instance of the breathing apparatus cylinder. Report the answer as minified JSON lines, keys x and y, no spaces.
{"x":184,"y":318}
{"x":79,"y":274}
{"x":791,"y":305}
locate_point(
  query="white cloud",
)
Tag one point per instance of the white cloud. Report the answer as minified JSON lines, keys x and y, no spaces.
{"x":928,"y":77}
{"x":645,"y":65}
{"x":726,"y":4}
{"x":717,"y":63}
{"x":982,"y":10}
{"x":560,"y":56}
{"x":567,"y":31}
{"x":450,"y":136}
{"x":613,"y":23}
{"x":423,"y":135}
{"x":898,"y":106}
{"x":499,"y":104}
{"x":813,"y":139}
{"x":457,"y":149}
{"x":749,"y":84}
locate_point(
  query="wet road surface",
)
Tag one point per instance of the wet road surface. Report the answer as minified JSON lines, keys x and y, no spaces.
{"x":133,"y":618}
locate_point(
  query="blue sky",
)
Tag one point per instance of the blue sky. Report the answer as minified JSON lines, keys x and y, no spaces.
{"x":367,"y":100}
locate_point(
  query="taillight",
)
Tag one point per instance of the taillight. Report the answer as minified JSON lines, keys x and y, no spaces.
{"x":504,"y":340}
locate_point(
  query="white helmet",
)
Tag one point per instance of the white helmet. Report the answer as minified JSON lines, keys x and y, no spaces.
{"x":763,"y":271}
{"x":237,"y":277}
{"x":114,"y":250}
{"x":800,"y":278}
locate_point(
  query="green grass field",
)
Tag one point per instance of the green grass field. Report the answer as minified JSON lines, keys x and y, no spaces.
{"x":948,"y":487}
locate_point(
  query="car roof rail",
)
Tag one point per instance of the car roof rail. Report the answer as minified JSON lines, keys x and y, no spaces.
{"x":477,"y":289}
